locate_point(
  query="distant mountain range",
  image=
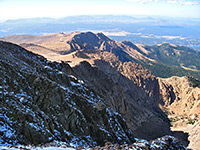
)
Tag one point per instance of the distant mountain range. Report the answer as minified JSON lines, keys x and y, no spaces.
{"x":137,"y":29}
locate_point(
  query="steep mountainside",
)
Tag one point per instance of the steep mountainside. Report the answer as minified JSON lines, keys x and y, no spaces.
{"x":176,"y":60}
{"x":194,"y":136}
{"x":182,"y":104}
{"x":175,"y":55}
{"x":164,"y":60}
{"x":41,"y":102}
{"x":108,"y":67}
{"x":179,"y":96}
{"x":127,"y":98}
{"x":175,"y":96}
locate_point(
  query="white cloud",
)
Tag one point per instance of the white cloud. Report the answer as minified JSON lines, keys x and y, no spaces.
{"x":142,"y":1}
{"x":190,"y":3}
{"x":182,"y":2}
{"x":172,"y":1}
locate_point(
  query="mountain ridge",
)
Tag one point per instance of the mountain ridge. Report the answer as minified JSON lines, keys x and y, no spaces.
{"x":41,"y":103}
{"x":140,"y":100}
{"x":173,"y":60}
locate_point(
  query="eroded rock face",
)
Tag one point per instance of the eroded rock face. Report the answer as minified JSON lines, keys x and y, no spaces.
{"x":179,"y":96}
{"x":91,"y":41}
{"x":143,"y":93}
{"x":182,"y":104}
{"x":40,"y":102}
{"x":100,"y":42}
{"x":129,"y":89}
{"x":194,"y":136}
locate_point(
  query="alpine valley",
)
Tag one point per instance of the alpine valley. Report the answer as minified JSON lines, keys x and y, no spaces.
{"x":86,"y":90}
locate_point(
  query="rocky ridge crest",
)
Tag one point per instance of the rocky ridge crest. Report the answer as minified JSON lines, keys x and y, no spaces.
{"x":41,"y":102}
{"x":108,"y":70}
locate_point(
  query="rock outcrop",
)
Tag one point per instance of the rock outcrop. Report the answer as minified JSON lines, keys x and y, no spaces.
{"x":194,"y":136}
{"x":129,"y":89}
{"x":179,"y":97}
{"x":108,"y":67}
{"x":166,"y":142}
{"x":41,"y":102}
{"x":182,"y":104}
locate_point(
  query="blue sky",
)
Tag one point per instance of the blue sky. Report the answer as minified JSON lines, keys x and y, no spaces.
{"x":14,"y":9}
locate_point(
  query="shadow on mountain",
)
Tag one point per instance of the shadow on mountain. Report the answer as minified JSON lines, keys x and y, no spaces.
{"x":140,"y":110}
{"x":127,"y":87}
{"x":183,"y":137}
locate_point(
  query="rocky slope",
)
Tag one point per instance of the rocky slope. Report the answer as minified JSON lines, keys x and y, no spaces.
{"x":176,"y":96}
{"x":144,"y":100}
{"x":166,"y":142}
{"x":194,"y":136}
{"x":182,"y":104}
{"x":175,"y":55}
{"x":179,"y":97}
{"x":164,"y":60}
{"x":137,"y":100}
{"x":41,"y":102}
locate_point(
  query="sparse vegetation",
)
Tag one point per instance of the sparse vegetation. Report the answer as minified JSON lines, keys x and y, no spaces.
{"x":194,"y":82}
{"x":171,"y":59}
{"x":190,"y":121}
{"x":165,"y":71}
{"x":176,"y":121}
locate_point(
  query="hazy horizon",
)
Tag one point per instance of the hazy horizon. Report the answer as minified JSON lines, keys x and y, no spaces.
{"x":19,"y":9}
{"x":114,"y":15}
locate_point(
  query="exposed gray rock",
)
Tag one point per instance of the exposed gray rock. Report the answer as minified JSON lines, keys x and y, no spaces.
{"x":40,"y":102}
